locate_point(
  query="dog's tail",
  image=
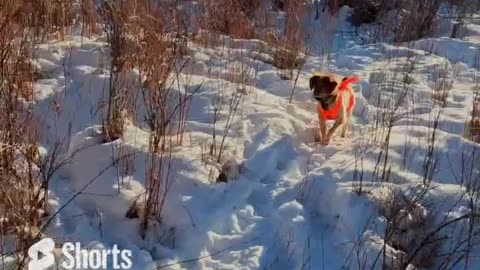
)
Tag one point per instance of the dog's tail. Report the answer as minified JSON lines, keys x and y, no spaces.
{"x":347,"y":81}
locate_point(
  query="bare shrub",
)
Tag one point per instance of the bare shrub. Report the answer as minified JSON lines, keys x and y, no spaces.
{"x":213,"y":152}
{"x":418,"y":21}
{"x":364,"y":12}
{"x":360,"y":151}
{"x":116,"y":16}
{"x":384,"y":122}
{"x":459,"y":10}
{"x":230,"y":17}
{"x":465,"y":6}
{"x":408,"y":222}
{"x":278,"y":5}
{"x":22,"y":191}
{"x":156,"y":49}
{"x":237,"y":73}
{"x":286,"y":58}
{"x":157,"y":96}
{"x":49,"y":17}
{"x":442,"y":85}
{"x":398,"y":21}
{"x":288,"y":48}
{"x":474,"y":124}
{"x":21,"y":200}
{"x":233,"y":104}
{"x":332,"y":6}
{"x":89,"y":17}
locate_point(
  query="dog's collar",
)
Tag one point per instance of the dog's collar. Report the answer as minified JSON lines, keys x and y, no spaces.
{"x":327,"y":102}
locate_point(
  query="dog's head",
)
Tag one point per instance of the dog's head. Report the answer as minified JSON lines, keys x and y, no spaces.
{"x":323,"y":85}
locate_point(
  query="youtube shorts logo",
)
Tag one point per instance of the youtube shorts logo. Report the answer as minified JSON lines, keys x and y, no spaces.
{"x":44,"y":248}
{"x":73,"y":256}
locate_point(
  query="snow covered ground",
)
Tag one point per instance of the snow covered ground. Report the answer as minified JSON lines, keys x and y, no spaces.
{"x":296,"y":204}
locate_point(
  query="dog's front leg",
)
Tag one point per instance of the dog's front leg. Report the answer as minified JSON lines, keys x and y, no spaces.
{"x":323,"y":128}
{"x":340,"y":121}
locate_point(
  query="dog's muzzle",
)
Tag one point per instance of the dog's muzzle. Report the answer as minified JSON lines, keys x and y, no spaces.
{"x":326,"y":101}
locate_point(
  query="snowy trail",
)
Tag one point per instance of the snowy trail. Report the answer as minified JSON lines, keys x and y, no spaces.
{"x":277,"y":155}
{"x":282,"y":155}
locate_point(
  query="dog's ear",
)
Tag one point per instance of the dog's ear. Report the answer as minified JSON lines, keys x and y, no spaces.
{"x":313,"y":79}
{"x":333,"y":86}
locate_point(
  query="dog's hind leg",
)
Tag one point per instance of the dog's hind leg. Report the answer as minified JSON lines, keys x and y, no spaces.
{"x":345,"y":126}
{"x":344,"y":130}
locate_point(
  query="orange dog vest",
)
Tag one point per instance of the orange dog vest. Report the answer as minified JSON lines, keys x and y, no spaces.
{"x":332,"y":113}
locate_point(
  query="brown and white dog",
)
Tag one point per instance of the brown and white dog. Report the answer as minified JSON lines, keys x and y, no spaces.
{"x":336,"y":100}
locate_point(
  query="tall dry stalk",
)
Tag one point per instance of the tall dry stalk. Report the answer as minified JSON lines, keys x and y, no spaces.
{"x":116,"y":16}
